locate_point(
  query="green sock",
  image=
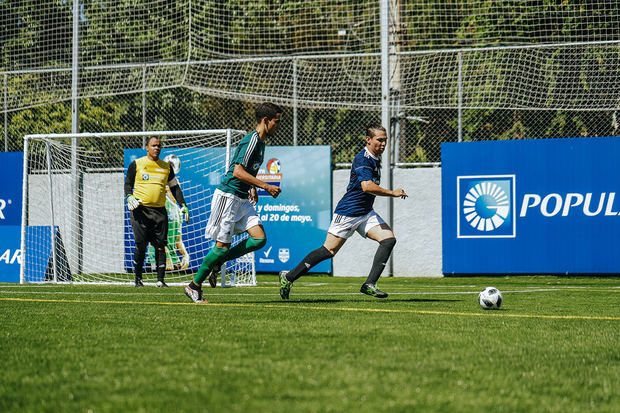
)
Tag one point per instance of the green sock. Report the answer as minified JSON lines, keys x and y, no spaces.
{"x":208,"y":262}
{"x":242,"y":248}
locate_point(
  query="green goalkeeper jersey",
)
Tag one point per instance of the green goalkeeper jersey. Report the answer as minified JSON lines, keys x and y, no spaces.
{"x":249,"y":154}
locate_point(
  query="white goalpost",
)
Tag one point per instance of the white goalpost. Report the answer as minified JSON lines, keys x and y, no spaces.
{"x":75,"y":225}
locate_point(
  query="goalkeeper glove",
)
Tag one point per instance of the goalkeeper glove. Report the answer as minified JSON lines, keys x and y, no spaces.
{"x":185,"y":213}
{"x":133,"y":202}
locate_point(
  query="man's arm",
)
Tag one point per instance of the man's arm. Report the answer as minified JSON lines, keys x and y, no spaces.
{"x":130,"y":179}
{"x":241,"y":174}
{"x":175,"y":189}
{"x":372,"y":188}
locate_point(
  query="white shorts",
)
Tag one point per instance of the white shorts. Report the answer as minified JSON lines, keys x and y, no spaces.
{"x":230,"y":215}
{"x":343,"y":226}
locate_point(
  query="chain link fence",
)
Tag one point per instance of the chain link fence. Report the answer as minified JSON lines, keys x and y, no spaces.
{"x":416,"y":135}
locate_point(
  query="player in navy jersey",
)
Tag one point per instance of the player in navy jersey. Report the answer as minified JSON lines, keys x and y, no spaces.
{"x":354,"y":213}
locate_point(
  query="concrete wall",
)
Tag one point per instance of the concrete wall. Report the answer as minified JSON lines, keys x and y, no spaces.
{"x":103,"y":243}
{"x":417,"y":227}
{"x":417,"y":222}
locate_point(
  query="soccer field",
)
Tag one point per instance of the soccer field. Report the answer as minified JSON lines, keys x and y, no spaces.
{"x":553,"y":347}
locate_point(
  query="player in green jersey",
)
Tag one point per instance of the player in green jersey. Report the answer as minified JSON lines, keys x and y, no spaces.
{"x":232,"y":206}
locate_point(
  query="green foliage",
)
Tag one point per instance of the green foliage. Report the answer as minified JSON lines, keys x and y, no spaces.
{"x":428,"y":347}
{"x":35,"y":35}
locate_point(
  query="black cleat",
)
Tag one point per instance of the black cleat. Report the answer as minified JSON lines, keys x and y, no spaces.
{"x":161,"y":284}
{"x":212,"y":278}
{"x":138,"y":282}
{"x":372,"y":290}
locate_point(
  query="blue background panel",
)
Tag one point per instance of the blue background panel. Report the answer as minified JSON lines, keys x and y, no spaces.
{"x":564,"y":207}
{"x":295,"y":223}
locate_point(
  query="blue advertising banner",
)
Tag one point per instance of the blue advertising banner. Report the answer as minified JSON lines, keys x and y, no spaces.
{"x":11,"y":170}
{"x":531,"y":206}
{"x":10,"y":253}
{"x":39,"y":262}
{"x":295,"y":222}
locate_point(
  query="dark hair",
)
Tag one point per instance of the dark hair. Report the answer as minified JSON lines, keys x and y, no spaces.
{"x":372,"y":128}
{"x":266,"y":110}
{"x":148,"y":141}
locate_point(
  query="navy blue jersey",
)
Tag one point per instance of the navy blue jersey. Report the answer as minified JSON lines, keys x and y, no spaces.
{"x":356,"y":202}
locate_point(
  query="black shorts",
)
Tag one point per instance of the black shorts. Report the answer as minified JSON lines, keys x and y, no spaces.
{"x":150,"y":224}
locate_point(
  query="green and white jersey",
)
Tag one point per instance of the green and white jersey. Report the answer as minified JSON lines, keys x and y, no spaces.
{"x":249,"y":154}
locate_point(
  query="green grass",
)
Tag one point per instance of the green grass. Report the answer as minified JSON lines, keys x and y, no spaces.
{"x":553,"y":347}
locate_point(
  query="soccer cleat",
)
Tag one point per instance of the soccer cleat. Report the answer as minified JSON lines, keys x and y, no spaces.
{"x":194,"y":295}
{"x":212,"y":278}
{"x":372,"y":290}
{"x":285,"y":285}
{"x":161,"y":284}
{"x":138,"y":282}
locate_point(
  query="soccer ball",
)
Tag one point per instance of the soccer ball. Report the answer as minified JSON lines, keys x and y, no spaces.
{"x":175,"y":162}
{"x":490,"y":298}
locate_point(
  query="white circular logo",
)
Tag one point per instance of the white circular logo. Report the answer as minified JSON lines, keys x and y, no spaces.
{"x":486,"y":206}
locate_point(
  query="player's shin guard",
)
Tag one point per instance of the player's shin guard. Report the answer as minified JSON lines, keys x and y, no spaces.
{"x":138,"y":260}
{"x":312,"y":259}
{"x":208,"y":263}
{"x":381,"y":258}
{"x":160,"y":261}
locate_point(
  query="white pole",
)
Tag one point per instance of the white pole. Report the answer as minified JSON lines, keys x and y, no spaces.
{"x":295,"y":102}
{"x":75,"y":110}
{"x":228,"y":145}
{"x":75,"y":128}
{"x":460,"y":97}
{"x":52,"y":226}
{"x":22,"y":269}
{"x":386,"y":167}
{"x":6,"y":113}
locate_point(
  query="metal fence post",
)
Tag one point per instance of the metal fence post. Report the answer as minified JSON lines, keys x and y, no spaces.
{"x":295,"y":102}
{"x":6,"y":113}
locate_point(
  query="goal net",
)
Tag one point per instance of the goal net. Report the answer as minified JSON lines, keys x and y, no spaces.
{"x":319,"y":53}
{"x":76,"y":227}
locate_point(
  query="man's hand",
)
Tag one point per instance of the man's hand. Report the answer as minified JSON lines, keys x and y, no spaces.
{"x":133,"y":202}
{"x":273,"y":190}
{"x":399,"y":193}
{"x":253,"y":195}
{"x":185,"y":212}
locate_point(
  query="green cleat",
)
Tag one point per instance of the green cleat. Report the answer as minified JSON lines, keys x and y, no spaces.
{"x":372,"y":290}
{"x":285,"y":285}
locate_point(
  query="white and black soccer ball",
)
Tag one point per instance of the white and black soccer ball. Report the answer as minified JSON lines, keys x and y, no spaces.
{"x":175,"y":162}
{"x":490,"y":298}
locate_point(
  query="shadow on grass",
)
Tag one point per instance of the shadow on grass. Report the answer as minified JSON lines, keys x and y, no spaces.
{"x":337,"y":300}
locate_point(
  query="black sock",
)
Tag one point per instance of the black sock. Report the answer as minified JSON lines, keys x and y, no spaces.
{"x":138,"y":260}
{"x":312,"y":259}
{"x":381,"y":257}
{"x":160,"y":261}
{"x":194,"y":286}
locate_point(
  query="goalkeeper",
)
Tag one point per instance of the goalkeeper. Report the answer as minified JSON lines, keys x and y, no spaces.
{"x":145,"y":192}
{"x":232,"y":210}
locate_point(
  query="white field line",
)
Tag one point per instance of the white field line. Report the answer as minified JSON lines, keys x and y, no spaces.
{"x":298,"y":292}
